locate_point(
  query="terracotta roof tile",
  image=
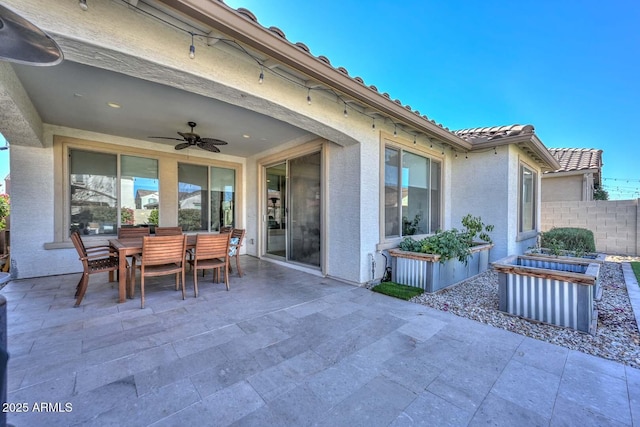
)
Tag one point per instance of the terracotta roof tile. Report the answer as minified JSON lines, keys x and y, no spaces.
{"x":575,"y":159}
{"x":248,"y":14}
{"x":495,"y":132}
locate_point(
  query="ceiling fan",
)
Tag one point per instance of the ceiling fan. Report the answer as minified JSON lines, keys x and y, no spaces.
{"x":192,"y":138}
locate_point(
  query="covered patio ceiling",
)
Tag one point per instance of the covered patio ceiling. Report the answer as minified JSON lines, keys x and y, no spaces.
{"x":79,"y":96}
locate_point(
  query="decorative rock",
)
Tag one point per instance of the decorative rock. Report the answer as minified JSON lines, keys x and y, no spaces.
{"x":617,"y":337}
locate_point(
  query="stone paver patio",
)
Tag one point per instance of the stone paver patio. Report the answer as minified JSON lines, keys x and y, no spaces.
{"x":286,"y":348}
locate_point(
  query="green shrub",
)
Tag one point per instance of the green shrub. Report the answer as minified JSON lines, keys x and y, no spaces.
{"x":451,"y":243}
{"x":569,"y":239}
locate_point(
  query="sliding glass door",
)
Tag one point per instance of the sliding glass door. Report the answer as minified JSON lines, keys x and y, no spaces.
{"x":293,"y":206}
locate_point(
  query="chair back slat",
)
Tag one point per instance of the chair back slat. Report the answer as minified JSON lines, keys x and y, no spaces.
{"x":163,"y":249}
{"x":212,"y":246}
{"x":78,"y":244}
{"x":226,"y":229}
{"x":168,"y":231}
{"x":238,"y":233}
{"x":128,"y":232}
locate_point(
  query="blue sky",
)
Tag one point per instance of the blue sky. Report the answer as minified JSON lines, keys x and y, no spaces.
{"x":570,"y":68}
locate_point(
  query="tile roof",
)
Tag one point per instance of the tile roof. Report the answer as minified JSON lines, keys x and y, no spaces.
{"x":249,"y":15}
{"x":476,"y":135}
{"x":575,"y":159}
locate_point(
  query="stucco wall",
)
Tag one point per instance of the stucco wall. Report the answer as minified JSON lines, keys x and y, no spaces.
{"x":32,"y":216}
{"x":565,"y":188}
{"x":479,"y":186}
{"x":614,"y":223}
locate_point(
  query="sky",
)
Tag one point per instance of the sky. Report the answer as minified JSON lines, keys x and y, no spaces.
{"x":570,"y":68}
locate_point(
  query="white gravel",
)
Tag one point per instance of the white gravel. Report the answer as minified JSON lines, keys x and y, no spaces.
{"x":617,"y":337}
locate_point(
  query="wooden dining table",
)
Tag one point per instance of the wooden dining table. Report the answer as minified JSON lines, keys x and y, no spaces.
{"x":128,"y":247}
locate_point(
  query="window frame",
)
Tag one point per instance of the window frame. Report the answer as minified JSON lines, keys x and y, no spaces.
{"x":167,"y":171}
{"x":522,"y":233}
{"x":403,"y":146}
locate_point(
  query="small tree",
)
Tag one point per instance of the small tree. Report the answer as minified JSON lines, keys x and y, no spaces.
{"x":600,"y":194}
{"x":5,"y":208}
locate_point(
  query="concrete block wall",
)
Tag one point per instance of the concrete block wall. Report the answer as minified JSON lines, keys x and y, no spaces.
{"x":615,"y":223}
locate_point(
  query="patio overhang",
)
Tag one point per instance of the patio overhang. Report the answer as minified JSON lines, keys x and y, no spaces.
{"x":270,"y":42}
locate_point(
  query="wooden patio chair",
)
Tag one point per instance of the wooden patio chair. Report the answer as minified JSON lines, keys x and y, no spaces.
{"x":237,"y":238}
{"x":96,"y":259}
{"x":226,"y":229}
{"x":161,"y":256}
{"x":128,"y":232}
{"x":211,"y":252}
{"x":168,"y":231}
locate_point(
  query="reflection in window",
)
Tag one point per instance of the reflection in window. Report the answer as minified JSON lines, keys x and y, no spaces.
{"x":195,"y":183}
{"x":93,"y":192}
{"x":139,"y":191}
{"x":411,"y":193}
{"x":192,"y":191}
{"x":527,"y":199}
{"x":222,"y":198}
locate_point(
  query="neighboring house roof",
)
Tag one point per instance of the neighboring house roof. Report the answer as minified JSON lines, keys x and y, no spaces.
{"x":142,"y":193}
{"x":522,"y":135}
{"x":577,"y":159}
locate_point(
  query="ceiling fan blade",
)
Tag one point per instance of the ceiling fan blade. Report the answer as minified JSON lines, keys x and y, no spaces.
{"x":209,"y":147}
{"x":213,"y":141}
{"x":182,"y":146}
{"x":166,"y":137}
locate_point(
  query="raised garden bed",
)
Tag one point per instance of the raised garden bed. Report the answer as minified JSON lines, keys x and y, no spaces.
{"x":426,"y":271}
{"x":589,"y":256}
{"x":559,"y":292}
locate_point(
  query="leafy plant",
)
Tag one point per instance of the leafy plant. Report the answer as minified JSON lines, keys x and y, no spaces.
{"x":410,"y":228}
{"x":451,"y":243}
{"x":5,"y":208}
{"x":153,"y":217}
{"x":126,"y":216}
{"x":569,"y":239}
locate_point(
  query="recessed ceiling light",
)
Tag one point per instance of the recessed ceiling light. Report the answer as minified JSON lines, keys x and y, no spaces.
{"x":246,"y":136}
{"x":113,"y":105}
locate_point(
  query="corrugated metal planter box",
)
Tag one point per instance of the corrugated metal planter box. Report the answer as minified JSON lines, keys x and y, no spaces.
{"x":425,"y":271}
{"x":590,"y":256}
{"x":556,"y":292}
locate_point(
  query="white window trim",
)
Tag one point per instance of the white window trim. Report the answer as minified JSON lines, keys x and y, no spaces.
{"x":167,"y":164}
{"x":397,"y":142}
{"x":527,"y":234}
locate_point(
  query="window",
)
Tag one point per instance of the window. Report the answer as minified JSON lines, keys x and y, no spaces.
{"x":139,"y":192}
{"x":197,"y":185}
{"x":527,"y":196}
{"x":94,"y":203}
{"x":411,"y":193}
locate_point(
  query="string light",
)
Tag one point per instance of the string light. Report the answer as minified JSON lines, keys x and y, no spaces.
{"x":235,"y":44}
{"x":494,"y":150}
{"x":83,"y":4}
{"x":192,"y":49}
{"x":414,"y":140}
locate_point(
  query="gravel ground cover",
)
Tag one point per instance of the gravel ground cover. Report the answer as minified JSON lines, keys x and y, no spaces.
{"x":617,"y":337}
